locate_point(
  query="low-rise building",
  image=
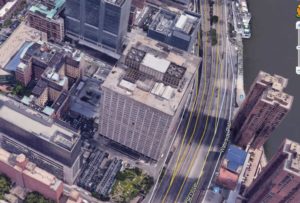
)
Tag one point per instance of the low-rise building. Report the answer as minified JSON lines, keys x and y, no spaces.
{"x":51,"y":146}
{"x":179,"y":30}
{"x":74,"y":197}
{"x":27,"y":174}
{"x":55,"y":68}
{"x":231,"y":167}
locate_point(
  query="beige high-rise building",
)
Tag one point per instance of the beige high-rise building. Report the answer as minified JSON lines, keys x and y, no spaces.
{"x":141,"y":106}
{"x":262,"y":111}
{"x":279,"y":182}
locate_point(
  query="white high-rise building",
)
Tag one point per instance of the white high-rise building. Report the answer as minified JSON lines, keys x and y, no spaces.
{"x":144,"y":96}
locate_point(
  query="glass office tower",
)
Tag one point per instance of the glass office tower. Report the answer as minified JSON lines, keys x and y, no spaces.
{"x":99,"y":24}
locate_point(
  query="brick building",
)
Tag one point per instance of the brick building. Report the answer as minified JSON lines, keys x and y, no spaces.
{"x":264,"y":108}
{"x":279,"y":182}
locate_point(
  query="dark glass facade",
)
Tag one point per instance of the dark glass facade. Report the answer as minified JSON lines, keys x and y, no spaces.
{"x":112,"y":19}
{"x":92,"y":10}
{"x":73,"y":9}
{"x":98,"y":22}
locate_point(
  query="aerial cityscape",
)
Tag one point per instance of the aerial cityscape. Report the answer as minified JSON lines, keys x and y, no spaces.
{"x":149,"y":101}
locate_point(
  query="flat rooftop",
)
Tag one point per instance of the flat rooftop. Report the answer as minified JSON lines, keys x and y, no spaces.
{"x":47,"y":12}
{"x":274,"y":97}
{"x":292,"y":163}
{"x":156,"y":63}
{"x":147,"y":91}
{"x":116,"y":2}
{"x":12,"y":45}
{"x":166,"y":22}
{"x":235,"y":158}
{"x":30,"y":169}
{"x":277,"y":82}
{"x":7,"y":7}
{"x":36,"y":123}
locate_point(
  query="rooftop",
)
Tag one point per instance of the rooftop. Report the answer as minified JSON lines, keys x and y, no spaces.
{"x":39,"y":88}
{"x":46,"y":11}
{"x":163,"y":22}
{"x":156,"y":63}
{"x":59,"y":101}
{"x":36,"y":123}
{"x":7,"y":7}
{"x":227,"y":178}
{"x":86,"y":99}
{"x":280,"y":98}
{"x":30,"y":169}
{"x":235,"y":158}
{"x":166,"y":22}
{"x":12,"y":45}
{"x":277,"y":82}
{"x":292,"y":163}
{"x":53,"y":76}
{"x":116,"y":2}
{"x":149,"y":91}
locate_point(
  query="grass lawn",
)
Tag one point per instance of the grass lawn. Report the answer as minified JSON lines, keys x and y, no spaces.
{"x":129,"y":184}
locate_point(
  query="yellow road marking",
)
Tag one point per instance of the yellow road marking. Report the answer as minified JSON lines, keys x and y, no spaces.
{"x":209,"y":149}
{"x":194,"y":130}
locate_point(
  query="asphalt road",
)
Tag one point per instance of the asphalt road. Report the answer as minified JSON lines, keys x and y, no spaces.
{"x":192,"y":164}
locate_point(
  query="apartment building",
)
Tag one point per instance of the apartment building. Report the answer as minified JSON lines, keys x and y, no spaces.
{"x":264,"y":108}
{"x":279,"y":181}
{"x":44,"y":16}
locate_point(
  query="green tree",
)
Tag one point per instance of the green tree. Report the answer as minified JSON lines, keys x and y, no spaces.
{"x":214,"y":19}
{"x":138,"y":171}
{"x":19,"y":90}
{"x":5,"y":185}
{"x":35,"y":197}
{"x":7,"y":23}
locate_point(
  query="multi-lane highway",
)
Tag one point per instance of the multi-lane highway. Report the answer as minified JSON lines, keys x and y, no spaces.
{"x":203,"y":132}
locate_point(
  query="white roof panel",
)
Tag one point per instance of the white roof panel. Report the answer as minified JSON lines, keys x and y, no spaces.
{"x":127,"y":85}
{"x":155,"y":63}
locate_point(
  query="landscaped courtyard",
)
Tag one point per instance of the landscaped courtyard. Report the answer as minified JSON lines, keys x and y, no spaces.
{"x":129,"y":184}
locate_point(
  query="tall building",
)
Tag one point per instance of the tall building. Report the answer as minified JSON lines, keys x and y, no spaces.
{"x":44,"y":16}
{"x":50,"y":146}
{"x":279,"y":182}
{"x":99,"y":24}
{"x":262,"y":111}
{"x":141,"y":104}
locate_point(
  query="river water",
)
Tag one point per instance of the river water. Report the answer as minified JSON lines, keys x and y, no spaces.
{"x":272,"y":48}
